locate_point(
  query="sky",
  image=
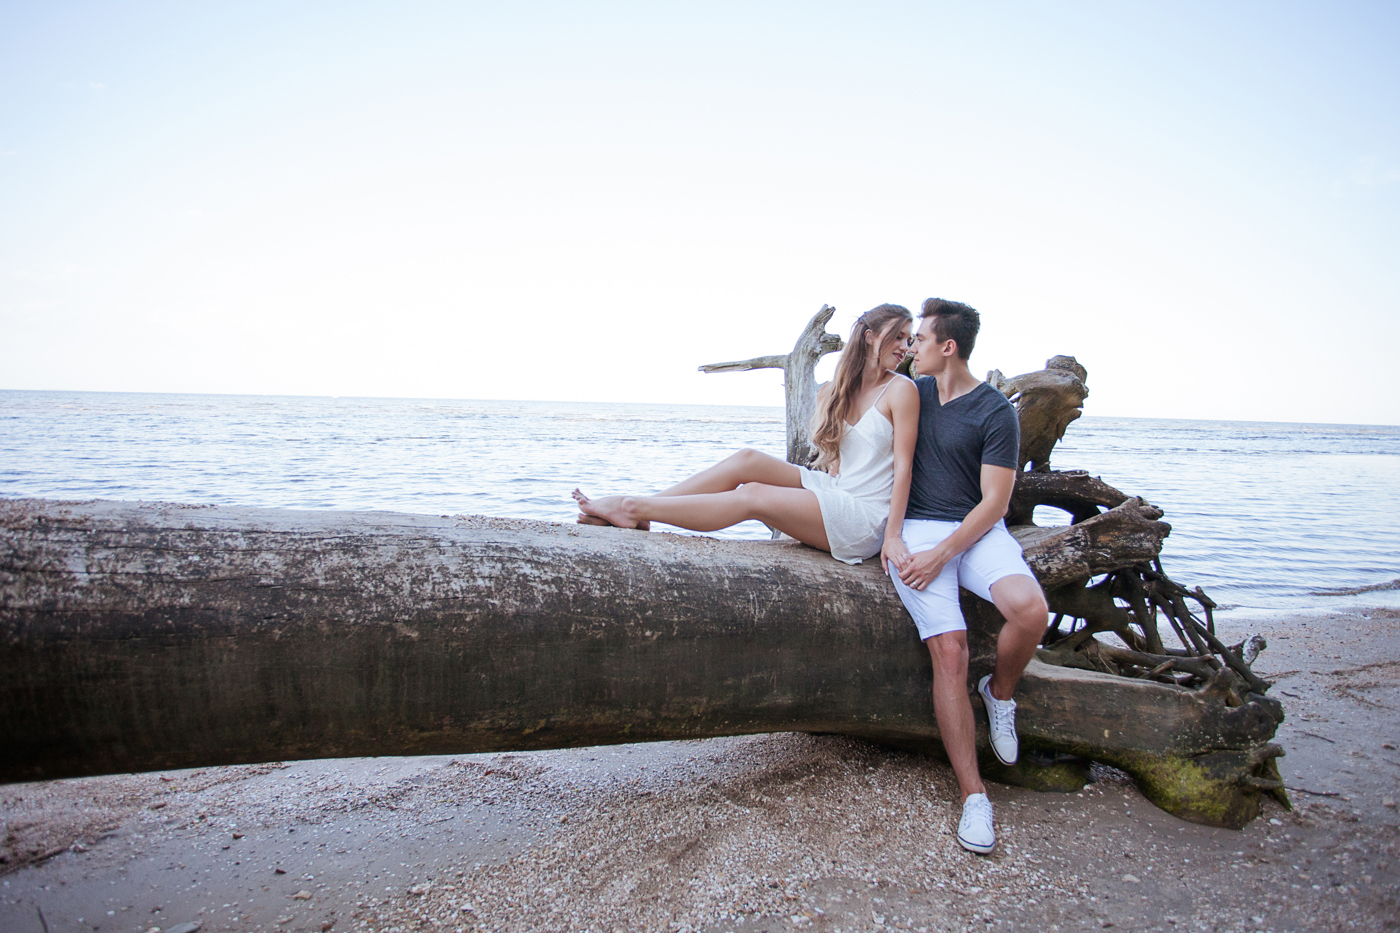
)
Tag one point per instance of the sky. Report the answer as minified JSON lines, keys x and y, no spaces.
{"x":587,"y":201}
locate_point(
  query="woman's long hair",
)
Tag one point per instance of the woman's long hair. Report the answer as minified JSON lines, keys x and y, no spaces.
{"x":837,"y":398}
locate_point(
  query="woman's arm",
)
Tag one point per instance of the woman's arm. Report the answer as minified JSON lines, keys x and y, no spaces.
{"x":903,"y":399}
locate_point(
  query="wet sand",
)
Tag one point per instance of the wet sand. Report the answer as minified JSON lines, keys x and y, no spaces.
{"x":772,"y":832}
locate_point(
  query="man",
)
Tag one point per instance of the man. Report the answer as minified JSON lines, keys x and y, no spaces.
{"x":965,"y":463}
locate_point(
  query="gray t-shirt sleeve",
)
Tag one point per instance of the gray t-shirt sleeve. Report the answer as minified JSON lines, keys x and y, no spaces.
{"x":954,"y":442}
{"x":1003,"y":438}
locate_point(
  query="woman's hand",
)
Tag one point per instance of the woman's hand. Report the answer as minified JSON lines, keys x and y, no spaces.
{"x":894,"y":551}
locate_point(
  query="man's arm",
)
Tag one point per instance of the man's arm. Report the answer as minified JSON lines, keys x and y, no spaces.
{"x":925,"y":566}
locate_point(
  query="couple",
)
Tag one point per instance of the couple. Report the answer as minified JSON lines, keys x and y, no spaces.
{"x":917,"y":471}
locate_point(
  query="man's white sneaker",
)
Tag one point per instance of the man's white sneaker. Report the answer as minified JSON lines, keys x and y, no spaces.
{"x":975,"y":833}
{"x":1001,"y":716}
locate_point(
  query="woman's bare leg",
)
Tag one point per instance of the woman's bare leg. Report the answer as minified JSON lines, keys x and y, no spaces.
{"x":745,"y":466}
{"x":794,"y":512}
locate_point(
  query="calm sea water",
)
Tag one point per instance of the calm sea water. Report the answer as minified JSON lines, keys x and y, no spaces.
{"x":1263,"y":514}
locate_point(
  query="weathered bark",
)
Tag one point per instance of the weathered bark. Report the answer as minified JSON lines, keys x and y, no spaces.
{"x":136,"y":637}
{"x":1047,"y":401}
{"x":799,"y":381}
{"x":1122,"y":537}
{"x":1074,"y":491}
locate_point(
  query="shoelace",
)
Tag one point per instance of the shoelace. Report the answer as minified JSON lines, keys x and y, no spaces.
{"x":1004,"y":715}
{"x":980,"y":807}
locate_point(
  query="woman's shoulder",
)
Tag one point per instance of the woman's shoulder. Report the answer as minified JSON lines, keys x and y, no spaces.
{"x":902,"y":386}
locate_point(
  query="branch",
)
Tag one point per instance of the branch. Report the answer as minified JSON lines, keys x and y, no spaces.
{"x":777,"y":361}
{"x":812,"y":343}
{"x":1074,"y":491}
{"x":1119,"y":538}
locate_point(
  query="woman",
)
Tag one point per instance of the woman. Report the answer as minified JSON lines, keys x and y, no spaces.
{"x":864,"y":429}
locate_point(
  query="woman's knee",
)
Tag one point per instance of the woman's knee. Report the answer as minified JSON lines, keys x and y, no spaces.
{"x":739,"y":466}
{"x":747,"y":460}
{"x":754,"y":498}
{"x":767,"y":503}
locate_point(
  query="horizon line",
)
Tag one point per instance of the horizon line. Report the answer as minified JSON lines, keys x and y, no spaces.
{"x":424,"y":398}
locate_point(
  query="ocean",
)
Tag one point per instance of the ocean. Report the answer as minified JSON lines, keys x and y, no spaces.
{"x":1265,"y":516}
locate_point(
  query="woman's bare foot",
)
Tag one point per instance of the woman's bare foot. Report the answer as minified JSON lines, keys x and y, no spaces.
{"x":584,"y":519}
{"x":607,"y":511}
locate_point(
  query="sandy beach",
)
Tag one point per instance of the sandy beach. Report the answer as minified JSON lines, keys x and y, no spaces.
{"x":755,"y":833}
{"x":319,"y":316}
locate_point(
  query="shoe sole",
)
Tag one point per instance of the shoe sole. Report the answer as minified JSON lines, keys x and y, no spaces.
{"x":972,"y":847}
{"x":988,"y":708}
{"x":1003,"y":760}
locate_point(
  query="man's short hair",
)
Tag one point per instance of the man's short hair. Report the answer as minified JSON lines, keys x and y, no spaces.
{"x":953,"y":320}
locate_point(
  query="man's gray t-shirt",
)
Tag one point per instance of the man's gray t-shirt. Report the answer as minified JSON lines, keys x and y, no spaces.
{"x":954,"y":441}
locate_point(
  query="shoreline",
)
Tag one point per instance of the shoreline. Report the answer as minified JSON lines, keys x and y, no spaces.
{"x":780,"y":831}
{"x":1371,"y":601}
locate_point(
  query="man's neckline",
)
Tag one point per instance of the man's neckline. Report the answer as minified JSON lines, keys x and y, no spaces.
{"x":950,"y":401}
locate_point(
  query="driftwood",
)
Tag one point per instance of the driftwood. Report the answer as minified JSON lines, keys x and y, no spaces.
{"x":1131,"y":601}
{"x":1047,"y":401}
{"x":135,"y":637}
{"x":799,"y":381}
{"x":143,"y":636}
{"x":1103,"y":576}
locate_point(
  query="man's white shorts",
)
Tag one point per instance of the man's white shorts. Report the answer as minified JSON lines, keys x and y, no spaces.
{"x":935,"y":608}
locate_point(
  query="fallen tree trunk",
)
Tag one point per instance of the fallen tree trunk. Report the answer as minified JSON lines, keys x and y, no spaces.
{"x":144,"y":636}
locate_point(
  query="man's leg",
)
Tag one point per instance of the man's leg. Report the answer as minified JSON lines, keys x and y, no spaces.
{"x":939,"y":618}
{"x":1021,"y":602}
{"x":953,"y":709}
{"x":995,"y":570}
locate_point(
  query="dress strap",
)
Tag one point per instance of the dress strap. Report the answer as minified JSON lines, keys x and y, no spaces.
{"x":882,"y":391}
{"x":871,"y":407}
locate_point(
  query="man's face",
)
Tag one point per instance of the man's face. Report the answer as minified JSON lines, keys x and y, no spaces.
{"x":931,"y":355}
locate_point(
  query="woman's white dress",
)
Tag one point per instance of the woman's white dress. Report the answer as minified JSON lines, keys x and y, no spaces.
{"x":855,"y":503}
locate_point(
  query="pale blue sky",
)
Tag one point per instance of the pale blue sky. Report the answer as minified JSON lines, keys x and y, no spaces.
{"x":586,"y":201}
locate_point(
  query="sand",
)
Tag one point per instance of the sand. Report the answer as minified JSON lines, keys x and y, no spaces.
{"x":772,"y":832}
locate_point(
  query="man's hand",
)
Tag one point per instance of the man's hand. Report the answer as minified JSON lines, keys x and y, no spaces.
{"x":924,"y":567}
{"x":894,"y":552}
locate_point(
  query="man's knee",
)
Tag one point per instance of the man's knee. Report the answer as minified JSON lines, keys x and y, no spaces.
{"x":1021,"y":602}
{"x":1033,"y":612}
{"x":949,"y":654}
